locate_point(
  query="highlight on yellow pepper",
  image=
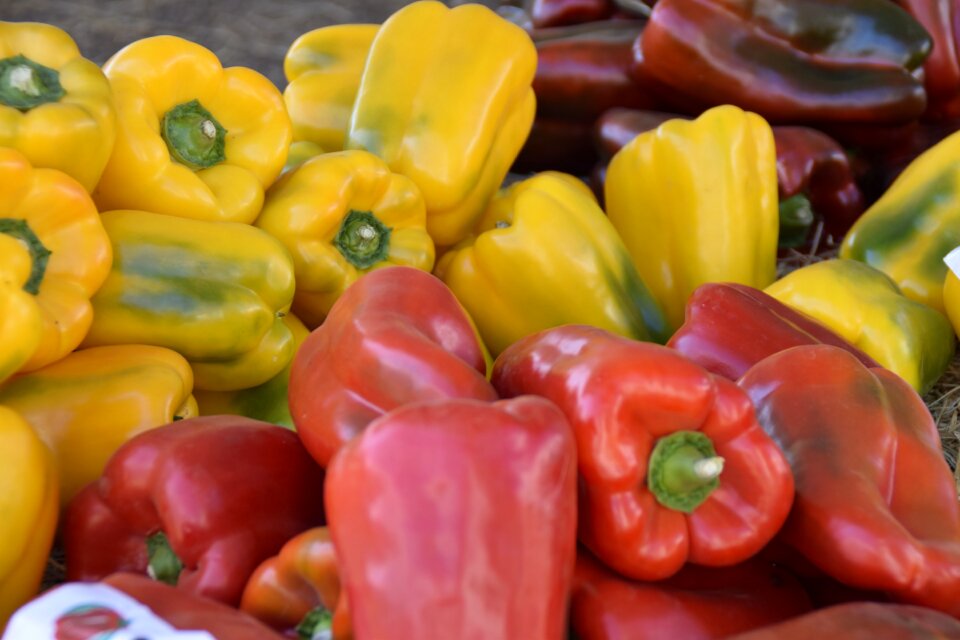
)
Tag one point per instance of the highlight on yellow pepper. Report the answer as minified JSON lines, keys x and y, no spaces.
{"x":951,"y":289}
{"x":28,"y":511}
{"x":88,"y":404}
{"x":696,"y":202}
{"x":446,"y":100}
{"x":193,"y":139}
{"x":55,"y":105}
{"x":20,"y":319}
{"x":340,"y":215}
{"x":53,"y":219}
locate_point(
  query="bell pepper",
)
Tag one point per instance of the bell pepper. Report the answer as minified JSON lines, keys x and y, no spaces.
{"x":341,"y":215}
{"x":731,"y":327}
{"x":300,"y":151}
{"x":876,"y":504}
{"x":28,"y":502}
{"x":193,"y":139}
{"x":215,"y":292}
{"x":445,"y":100}
{"x":951,"y":290}
{"x":911,"y":228}
{"x":553,"y":13}
{"x":865,"y":307}
{"x":862,"y":621}
{"x":92,"y":401}
{"x":816,"y":60}
{"x":478,"y":543}
{"x":298,"y":590}
{"x":396,"y":336}
{"x":20,"y":319}
{"x":941,"y":72}
{"x":545,"y":255}
{"x":154,"y":511}
{"x":673,"y":466}
{"x":323,"y":68}
{"x":53,"y":218}
{"x":696,"y":202}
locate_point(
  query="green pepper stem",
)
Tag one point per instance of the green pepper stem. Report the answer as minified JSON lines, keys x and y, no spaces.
{"x":193,"y":135}
{"x":25,"y":84}
{"x":163,"y":564}
{"x":683,"y":470}
{"x":316,"y":625}
{"x":39,"y":254}
{"x":362,"y":239}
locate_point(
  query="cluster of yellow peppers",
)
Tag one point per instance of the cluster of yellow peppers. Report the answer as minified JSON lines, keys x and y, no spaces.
{"x":170,"y":230}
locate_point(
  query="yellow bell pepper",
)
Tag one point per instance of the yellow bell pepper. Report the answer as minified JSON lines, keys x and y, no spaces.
{"x":864,"y":306}
{"x":323,"y":69}
{"x":28,"y":511}
{"x":20,"y":319}
{"x":215,"y":292}
{"x":544,"y":254}
{"x":55,"y":105}
{"x":341,"y":215}
{"x":91,"y":402}
{"x":696,"y":202}
{"x":51,"y":216}
{"x":300,"y":151}
{"x":193,"y":139}
{"x":446,"y":100}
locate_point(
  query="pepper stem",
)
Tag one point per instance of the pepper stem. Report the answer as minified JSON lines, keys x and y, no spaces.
{"x":25,"y":84}
{"x":683,"y":470}
{"x":193,"y":135}
{"x":162,"y":564}
{"x":39,"y":254}
{"x":316,"y":625}
{"x":362,"y":239}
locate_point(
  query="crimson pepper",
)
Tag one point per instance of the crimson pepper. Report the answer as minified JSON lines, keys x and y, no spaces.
{"x":397,"y":335}
{"x":553,"y":13}
{"x":941,"y":19}
{"x":673,"y":466}
{"x":457,"y":519}
{"x":198,"y":503}
{"x":876,"y":504}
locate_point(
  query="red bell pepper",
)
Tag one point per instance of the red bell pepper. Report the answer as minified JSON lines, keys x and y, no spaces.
{"x":941,"y":19}
{"x":553,"y":13}
{"x":198,"y":503}
{"x":457,"y":519}
{"x":673,"y":466}
{"x":876,"y":505}
{"x":397,"y":335}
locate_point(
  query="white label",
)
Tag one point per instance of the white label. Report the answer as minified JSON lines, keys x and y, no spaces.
{"x":953,"y":261}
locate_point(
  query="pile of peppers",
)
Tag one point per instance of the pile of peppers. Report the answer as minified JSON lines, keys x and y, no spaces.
{"x":487,"y":325}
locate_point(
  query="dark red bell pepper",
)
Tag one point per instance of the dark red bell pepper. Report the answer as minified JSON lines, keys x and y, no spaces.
{"x":198,"y":503}
{"x":555,"y":13}
{"x":673,"y":466}
{"x":457,"y":519}
{"x":397,"y":335}
{"x":876,"y":504}
{"x":941,"y":19}
{"x":557,"y":145}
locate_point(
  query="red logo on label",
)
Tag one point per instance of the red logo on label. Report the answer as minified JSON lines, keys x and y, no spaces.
{"x":89,"y":622}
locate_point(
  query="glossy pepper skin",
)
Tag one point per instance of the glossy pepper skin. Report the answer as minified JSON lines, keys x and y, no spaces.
{"x":951,"y":293}
{"x":673,"y":466}
{"x":341,"y":215}
{"x":817,"y":60}
{"x":193,"y":139}
{"x":716,"y":222}
{"x":20,"y":318}
{"x":457,"y":152}
{"x":876,"y":504}
{"x":488,"y":527}
{"x":941,"y":19}
{"x":545,"y":255}
{"x":257,"y":489}
{"x":396,"y":336}
{"x":215,"y":292}
{"x":553,"y":13}
{"x":55,"y":105}
{"x":28,"y":500}
{"x":89,"y":403}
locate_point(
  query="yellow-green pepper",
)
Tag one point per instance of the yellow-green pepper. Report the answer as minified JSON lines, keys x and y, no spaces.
{"x":55,"y":105}
{"x":696,"y":202}
{"x":544,"y":254}
{"x":446,"y":100}
{"x":865,"y":307}
{"x":193,"y":139}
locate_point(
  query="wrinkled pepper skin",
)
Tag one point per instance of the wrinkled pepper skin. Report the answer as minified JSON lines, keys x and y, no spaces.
{"x":60,"y":115}
{"x":29,"y":502}
{"x":695,"y":604}
{"x":673,"y":466}
{"x":50,"y":215}
{"x":876,"y":504}
{"x":457,"y":153}
{"x":89,"y":403}
{"x":941,"y":19}
{"x":214,"y":292}
{"x":696,"y":202}
{"x":193,"y":139}
{"x":731,"y":327}
{"x":817,"y":60}
{"x":257,"y":480}
{"x":865,"y":307}
{"x":396,"y":336}
{"x":554,"y":13}
{"x":323,"y":68}
{"x":341,"y":215}
{"x":488,"y":527}
{"x":20,"y":319}
{"x":911,"y":228}
{"x":539,"y":237}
